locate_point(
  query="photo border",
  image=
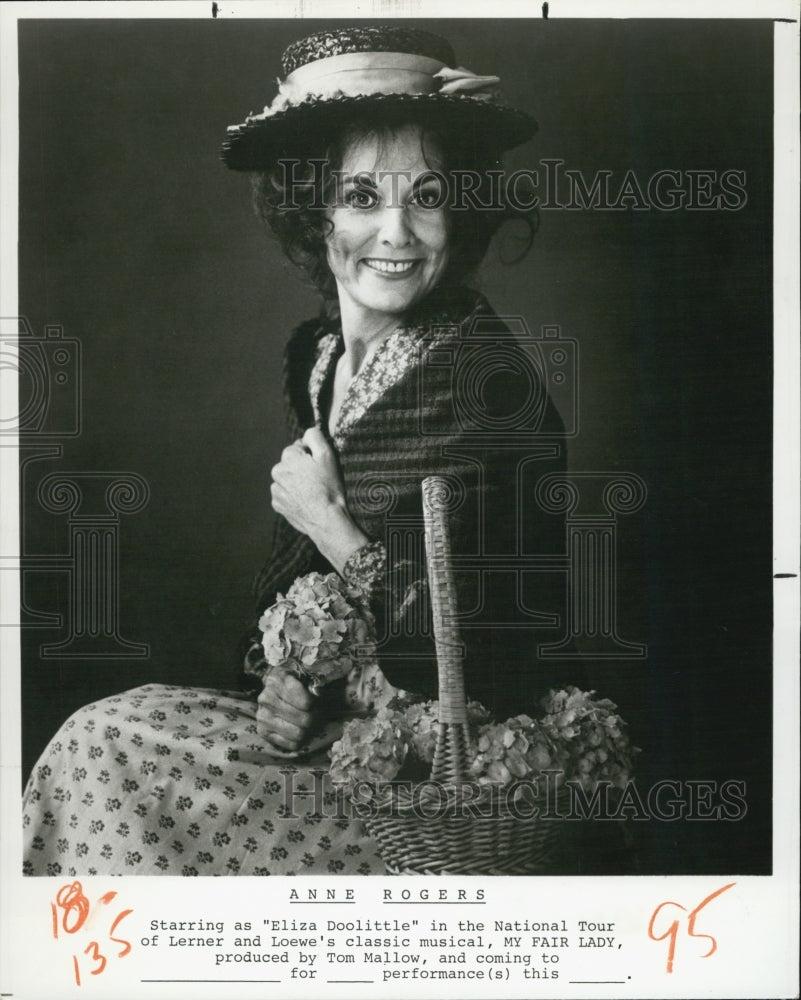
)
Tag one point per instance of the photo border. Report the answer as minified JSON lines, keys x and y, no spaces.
{"x":761,"y":921}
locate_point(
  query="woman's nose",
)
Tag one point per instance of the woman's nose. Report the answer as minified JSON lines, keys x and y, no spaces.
{"x":394,"y":227}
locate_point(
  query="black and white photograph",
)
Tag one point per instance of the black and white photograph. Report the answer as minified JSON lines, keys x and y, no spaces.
{"x":395,"y":440}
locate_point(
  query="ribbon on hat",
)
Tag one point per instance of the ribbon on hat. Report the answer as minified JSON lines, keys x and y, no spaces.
{"x":366,"y":74}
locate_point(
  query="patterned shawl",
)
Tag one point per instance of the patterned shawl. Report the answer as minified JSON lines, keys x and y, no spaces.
{"x":438,"y":398}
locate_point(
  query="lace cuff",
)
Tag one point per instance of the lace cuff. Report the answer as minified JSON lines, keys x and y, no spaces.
{"x":366,"y":569}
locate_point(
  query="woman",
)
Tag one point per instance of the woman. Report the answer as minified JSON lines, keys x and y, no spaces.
{"x":358,"y":162}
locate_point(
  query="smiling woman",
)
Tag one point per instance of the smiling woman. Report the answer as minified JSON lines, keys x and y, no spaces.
{"x":406,"y":373}
{"x":445,"y":171}
{"x":388,"y":248}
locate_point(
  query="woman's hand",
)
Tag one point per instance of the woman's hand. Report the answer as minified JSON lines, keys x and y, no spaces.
{"x":307,"y":484}
{"x":285,"y":712}
{"x":307,"y":490}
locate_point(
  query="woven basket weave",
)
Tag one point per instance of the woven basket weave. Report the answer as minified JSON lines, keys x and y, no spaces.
{"x":431,"y":830}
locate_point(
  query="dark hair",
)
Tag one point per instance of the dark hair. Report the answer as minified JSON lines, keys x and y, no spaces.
{"x":291,"y":197}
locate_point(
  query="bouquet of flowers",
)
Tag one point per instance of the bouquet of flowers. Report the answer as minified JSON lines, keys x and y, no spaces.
{"x":318,"y":632}
{"x":589,"y":737}
{"x":580,"y":736}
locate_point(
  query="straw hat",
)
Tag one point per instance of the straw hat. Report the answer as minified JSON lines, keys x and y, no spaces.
{"x":391,"y":73}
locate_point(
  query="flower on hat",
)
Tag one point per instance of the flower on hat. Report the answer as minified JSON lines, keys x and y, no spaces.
{"x":462,"y":81}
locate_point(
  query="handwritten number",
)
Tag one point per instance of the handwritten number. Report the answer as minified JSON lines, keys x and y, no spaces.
{"x":673,"y":930}
{"x":71,"y":898}
{"x":94,"y":948}
{"x":121,"y":916}
{"x":697,"y":910}
{"x":75,"y":907}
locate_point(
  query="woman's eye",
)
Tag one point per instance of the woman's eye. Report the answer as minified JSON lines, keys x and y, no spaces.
{"x":427,"y":198}
{"x":360,"y":198}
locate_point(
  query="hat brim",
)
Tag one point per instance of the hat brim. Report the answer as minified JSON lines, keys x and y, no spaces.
{"x":259,"y":143}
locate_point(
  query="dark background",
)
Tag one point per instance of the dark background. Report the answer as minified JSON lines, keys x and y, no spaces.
{"x":143,"y":247}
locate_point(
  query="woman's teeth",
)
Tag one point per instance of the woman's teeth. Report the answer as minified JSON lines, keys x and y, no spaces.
{"x":390,"y":266}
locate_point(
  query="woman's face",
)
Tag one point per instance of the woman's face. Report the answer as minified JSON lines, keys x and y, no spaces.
{"x":389,"y":246}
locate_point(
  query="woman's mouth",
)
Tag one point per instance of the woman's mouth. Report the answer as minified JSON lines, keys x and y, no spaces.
{"x":385,"y":266}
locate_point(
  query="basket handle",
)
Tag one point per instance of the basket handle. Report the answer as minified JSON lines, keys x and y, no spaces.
{"x":454,"y":750}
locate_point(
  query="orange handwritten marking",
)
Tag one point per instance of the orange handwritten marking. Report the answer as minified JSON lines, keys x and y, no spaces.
{"x":673,"y":930}
{"x":72,"y":900}
{"x":120,"y":916}
{"x":94,"y":948}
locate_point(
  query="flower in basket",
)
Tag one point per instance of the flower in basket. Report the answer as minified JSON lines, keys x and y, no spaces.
{"x":315,"y":630}
{"x":510,"y":751}
{"x":371,"y":750}
{"x":581,"y":737}
{"x":590,"y":737}
{"x":422,"y":720}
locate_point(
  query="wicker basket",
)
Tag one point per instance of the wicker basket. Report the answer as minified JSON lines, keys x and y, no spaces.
{"x":442,"y":834}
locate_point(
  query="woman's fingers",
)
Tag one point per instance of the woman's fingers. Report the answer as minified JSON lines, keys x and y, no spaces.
{"x":315,"y":441}
{"x":289,"y":695}
{"x":307,"y":487}
{"x":292,"y":691}
{"x":279,"y":730}
{"x":279,"y":499}
{"x":288,"y":717}
{"x":292,"y":458}
{"x":281,"y":733}
{"x":298,"y":715}
{"x":312,"y":445}
{"x":294,"y":450}
{"x":284,"y":713}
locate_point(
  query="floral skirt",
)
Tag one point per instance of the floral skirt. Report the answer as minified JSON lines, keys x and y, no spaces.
{"x":165,"y":780}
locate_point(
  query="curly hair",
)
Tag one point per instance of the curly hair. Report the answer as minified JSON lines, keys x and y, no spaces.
{"x":291,"y":198}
